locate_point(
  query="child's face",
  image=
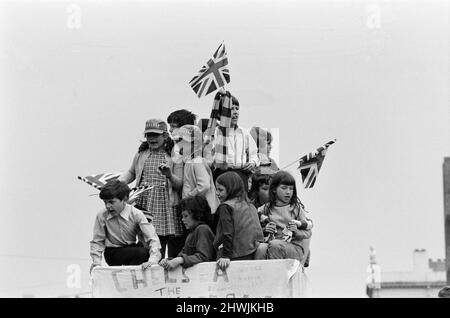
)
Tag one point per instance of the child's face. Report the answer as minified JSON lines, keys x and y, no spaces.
{"x":173,"y":126}
{"x":114,"y":206}
{"x":234,"y":115}
{"x":284,"y":193}
{"x":221,"y":192}
{"x":154,"y":140}
{"x":184,"y":148}
{"x":188,"y":221}
{"x":263,"y":193}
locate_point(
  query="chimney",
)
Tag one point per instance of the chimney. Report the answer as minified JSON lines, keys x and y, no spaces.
{"x":420,"y":261}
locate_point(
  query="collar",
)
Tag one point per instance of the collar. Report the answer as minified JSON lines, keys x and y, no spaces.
{"x":125,"y":213}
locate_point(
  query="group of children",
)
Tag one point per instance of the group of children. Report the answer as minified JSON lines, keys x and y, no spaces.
{"x":196,"y":210}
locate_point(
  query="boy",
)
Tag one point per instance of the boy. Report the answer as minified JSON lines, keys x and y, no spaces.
{"x":242,"y":153}
{"x":116,"y":228}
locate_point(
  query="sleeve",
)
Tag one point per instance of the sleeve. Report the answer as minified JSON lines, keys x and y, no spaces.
{"x":208,"y":153}
{"x":150,"y":237}
{"x":204,"y":250}
{"x":307,"y":224}
{"x":226,"y":219}
{"x":302,"y":235}
{"x":177,"y":175}
{"x":129,"y":175}
{"x":202,"y":179}
{"x":98,"y":240}
{"x":252,"y":150}
{"x":304,"y":232}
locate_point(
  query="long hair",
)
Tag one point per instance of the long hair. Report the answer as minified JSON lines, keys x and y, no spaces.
{"x":168,"y":145}
{"x":258,"y":180}
{"x":283,"y":178}
{"x":234,"y":185}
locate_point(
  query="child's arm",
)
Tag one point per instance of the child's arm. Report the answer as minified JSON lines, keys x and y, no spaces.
{"x":226,"y":219}
{"x":98,"y":241}
{"x":171,"y":264}
{"x":151,"y":238}
{"x":301,"y":226}
{"x":129,"y":175}
{"x":173,"y":172}
{"x":252,"y":150}
{"x":305,"y":224}
{"x":204,"y":250}
{"x":202,"y":178}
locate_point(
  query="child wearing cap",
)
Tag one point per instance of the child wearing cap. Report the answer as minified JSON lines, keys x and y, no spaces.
{"x":153,"y":165}
{"x":197,"y":177}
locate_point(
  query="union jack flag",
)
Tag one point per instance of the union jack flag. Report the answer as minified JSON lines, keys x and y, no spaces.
{"x":213,"y":75}
{"x":309,"y":165}
{"x":136,"y":192}
{"x":99,"y":180}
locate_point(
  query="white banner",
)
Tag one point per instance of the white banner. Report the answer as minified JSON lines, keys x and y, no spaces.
{"x":258,"y":279}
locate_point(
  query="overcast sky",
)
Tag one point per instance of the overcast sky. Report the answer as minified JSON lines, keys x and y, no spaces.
{"x":75,"y":95}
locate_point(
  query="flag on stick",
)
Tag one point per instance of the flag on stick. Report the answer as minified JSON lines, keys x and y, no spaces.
{"x":309,"y":165}
{"x":99,"y":180}
{"x":136,"y":192}
{"x":213,"y":75}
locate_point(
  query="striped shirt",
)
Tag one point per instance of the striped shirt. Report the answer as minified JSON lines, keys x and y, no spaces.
{"x":241,"y":148}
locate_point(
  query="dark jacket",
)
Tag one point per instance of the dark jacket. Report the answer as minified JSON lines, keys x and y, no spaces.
{"x":238,"y":231}
{"x":198,"y":246}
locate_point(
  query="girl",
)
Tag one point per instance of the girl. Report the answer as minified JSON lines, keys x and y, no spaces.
{"x":259,"y":191}
{"x":197,"y":178}
{"x":238,"y":231}
{"x":285,"y":219}
{"x":196,"y":216}
{"x":153,"y":166}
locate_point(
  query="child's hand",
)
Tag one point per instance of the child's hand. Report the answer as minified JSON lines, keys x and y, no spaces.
{"x":148,"y":264}
{"x":223,"y":263}
{"x":298,"y":223}
{"x":248,"y":166}
{"x":165,"y":170}
{"x":271,"y":228}
{"x":292,"y":226}
{"x":92,"y":267}
{"x":163,"y":263}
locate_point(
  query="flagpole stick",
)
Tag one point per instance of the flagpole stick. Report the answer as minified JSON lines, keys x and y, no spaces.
{"x":290,"y":164}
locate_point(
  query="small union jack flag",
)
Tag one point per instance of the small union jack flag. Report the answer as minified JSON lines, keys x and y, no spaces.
{"x":99,"y":180}
{"x":309,"y":165}
{"x":213,"y":75}
{"x":136,"y":192}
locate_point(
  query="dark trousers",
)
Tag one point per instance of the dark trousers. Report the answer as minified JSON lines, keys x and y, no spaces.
{"x":134,"y":254}
{"x":173,"y":243}
{"x":243,"y":174}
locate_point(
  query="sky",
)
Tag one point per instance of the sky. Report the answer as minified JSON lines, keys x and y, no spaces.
{"x":79,"y":79}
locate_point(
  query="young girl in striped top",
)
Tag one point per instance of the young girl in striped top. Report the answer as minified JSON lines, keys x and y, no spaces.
{"x":285,"y":220}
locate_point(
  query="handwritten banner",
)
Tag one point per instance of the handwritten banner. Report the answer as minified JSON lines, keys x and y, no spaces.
{"x":257,"y":279}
